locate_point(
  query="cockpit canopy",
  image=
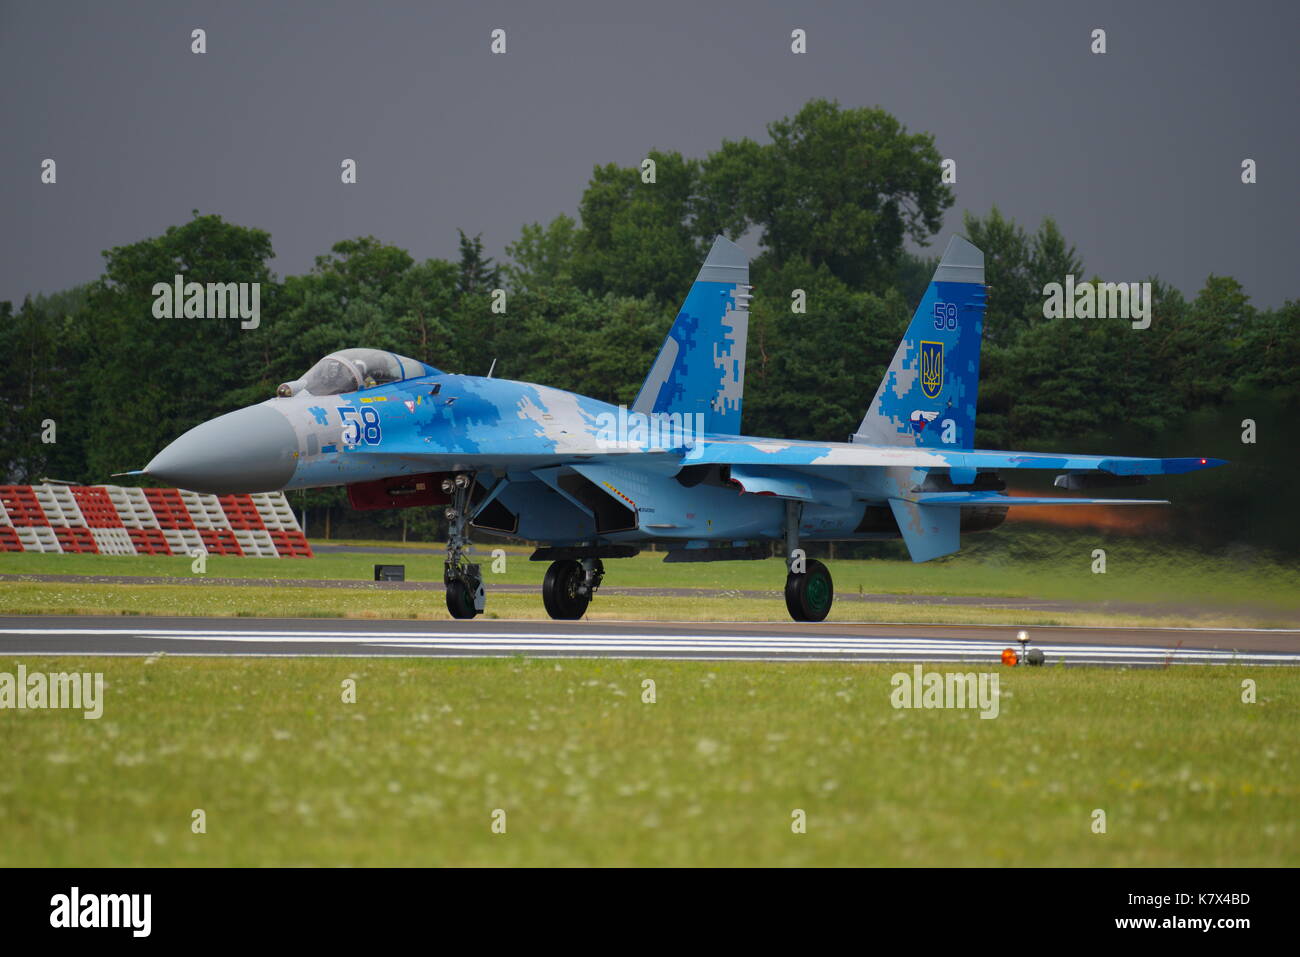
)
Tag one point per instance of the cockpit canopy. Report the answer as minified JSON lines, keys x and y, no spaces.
{"x":353,"y":369}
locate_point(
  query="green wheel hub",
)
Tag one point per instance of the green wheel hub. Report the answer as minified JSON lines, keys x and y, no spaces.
{"x":819,"y":595}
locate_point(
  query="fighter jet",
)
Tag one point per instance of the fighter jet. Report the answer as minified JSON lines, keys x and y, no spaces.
{"x":588,"y":481}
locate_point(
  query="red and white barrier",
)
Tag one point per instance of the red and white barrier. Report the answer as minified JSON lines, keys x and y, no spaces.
{"x":112,"y":520}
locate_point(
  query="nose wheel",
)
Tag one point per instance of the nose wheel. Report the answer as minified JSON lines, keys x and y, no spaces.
{"x":465,"y":600}
{"x":569,"y":587}
{"x":462,"y":579}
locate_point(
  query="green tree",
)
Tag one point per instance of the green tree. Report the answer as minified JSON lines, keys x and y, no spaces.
{"x":43,"y":379}
{"x":812,"y":375}
{"x":600,"y":346}
{"x":637,"y":238}
{"x":1268,"y":355}
{"x":352,"y":297}
{"x":1198,"y":344}
{"x":420,"y":306}
{"x":477,"y":272}
{"x":1051,"y":259}
{"x":155,"y":378}
{"x":542,"y":255}
{"x":1016,"y":268}
{"x":836,"y":187}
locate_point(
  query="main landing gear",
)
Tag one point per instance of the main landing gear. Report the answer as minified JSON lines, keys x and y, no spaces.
{"x":809,"y":590}
{"x":808,"y":596}
{"x":463,"y":580}
{"x":569,"y":587}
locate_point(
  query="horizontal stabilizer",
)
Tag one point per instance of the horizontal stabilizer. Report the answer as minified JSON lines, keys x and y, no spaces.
{"x":742,"y":450}
{"x":958,"y":499}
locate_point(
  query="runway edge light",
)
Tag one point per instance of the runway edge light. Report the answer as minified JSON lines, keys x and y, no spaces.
{"x":1027,"y":656}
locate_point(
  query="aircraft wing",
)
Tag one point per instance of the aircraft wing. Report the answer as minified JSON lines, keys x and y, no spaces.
{"x":962,"y":464}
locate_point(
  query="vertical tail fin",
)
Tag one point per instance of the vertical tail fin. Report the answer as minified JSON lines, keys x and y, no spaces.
{"x":701,"y":365}
{"x":928,"y":395}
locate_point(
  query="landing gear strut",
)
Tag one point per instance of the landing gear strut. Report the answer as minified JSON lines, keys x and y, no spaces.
{"x":569,"y":587}
{"x":809,"y":590}
{"x":463,"y":581}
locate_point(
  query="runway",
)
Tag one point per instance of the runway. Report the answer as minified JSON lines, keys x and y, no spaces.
{"x":705,"y":641}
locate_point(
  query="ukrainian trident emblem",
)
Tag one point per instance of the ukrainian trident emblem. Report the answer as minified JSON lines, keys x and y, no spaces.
{"x":931,"y":369}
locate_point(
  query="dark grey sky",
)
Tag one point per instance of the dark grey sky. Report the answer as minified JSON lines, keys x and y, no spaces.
{"x":1136,"y":153}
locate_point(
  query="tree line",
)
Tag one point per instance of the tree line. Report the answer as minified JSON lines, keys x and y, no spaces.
{"x":837,"y":198}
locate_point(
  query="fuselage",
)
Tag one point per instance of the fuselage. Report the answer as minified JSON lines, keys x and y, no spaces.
{"x":552,"y":461}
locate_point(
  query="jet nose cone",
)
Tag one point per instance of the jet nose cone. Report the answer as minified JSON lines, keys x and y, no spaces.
{"x":252,"y":450}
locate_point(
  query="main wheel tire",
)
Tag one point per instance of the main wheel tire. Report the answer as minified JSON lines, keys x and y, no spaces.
{"x":809,"y":596}
{"x":560,"y":591}
{"x":460,"y":600}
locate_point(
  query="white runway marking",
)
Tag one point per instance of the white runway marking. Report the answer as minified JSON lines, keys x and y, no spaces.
{"x":687,"y":644}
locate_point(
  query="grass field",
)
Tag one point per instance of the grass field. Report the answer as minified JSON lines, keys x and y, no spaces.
{"x":24,"y":598}
{"x":1181,"y":587}
{"x":1135,"y":572}
{"x":587,"y":773}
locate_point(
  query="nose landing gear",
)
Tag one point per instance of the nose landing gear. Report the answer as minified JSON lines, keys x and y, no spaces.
{"x":463,"y":580}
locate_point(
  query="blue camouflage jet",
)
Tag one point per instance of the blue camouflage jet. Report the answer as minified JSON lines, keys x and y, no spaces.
{"x":589,"y":481}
